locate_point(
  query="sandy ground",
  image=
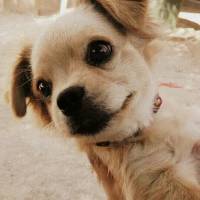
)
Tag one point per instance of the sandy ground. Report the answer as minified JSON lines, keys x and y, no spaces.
{"x":35,"y":165}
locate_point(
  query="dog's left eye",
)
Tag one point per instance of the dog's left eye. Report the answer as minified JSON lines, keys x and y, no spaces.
{"x":98,"y":52}
{"x":44,"y":87}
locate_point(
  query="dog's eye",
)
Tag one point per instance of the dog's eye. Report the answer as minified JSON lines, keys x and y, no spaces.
{"x":98,"y":52}
{"x":44,"y":87}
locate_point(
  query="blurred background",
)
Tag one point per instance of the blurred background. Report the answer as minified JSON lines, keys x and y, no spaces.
{"x":36,"y":7}
{"x":178,"y":13}
{"x":175,"y":13}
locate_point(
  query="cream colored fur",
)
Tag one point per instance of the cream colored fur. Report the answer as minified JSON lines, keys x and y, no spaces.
{"x":163,"y":164}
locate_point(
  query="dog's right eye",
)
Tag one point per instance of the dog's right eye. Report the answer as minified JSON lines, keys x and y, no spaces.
{"x":99,"y":52}
{"x":45,"y":88}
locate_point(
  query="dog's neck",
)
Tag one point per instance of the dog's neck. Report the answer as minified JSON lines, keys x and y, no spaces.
{"x":108,"y":157}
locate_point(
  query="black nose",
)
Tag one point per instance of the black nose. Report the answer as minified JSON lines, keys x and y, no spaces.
{"x":70,"y":100}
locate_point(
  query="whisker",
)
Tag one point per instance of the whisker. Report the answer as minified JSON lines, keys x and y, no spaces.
{"x":21,"y":72}
{"x":48,"y":127}
{"x":24,"y":83}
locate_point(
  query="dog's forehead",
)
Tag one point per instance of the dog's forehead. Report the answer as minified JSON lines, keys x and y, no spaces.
{"x":71,"y":33}
{"x":82,"y":20}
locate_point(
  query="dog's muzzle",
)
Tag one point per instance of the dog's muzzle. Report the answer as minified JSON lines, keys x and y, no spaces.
{"x":85,"y":117}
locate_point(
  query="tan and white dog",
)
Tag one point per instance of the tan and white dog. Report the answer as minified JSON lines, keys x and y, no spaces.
{"x":89,"y":75}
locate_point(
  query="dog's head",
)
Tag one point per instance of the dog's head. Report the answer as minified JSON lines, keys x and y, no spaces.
{"x":86,"y":73}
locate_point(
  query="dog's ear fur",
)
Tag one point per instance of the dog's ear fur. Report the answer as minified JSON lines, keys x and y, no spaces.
{"x":20,"y":83}
{"x":130,"y":15}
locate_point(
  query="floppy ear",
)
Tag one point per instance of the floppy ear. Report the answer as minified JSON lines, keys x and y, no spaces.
{"x":130,"y":15}
{"x":21,"y":83}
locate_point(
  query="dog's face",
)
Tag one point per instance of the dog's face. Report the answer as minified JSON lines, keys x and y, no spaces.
{"x":86,"y":75}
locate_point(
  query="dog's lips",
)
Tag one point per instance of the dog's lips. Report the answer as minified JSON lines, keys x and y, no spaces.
{"x":126,"y":102}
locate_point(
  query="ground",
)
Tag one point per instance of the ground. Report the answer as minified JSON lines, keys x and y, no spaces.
{"x":36,"y":165}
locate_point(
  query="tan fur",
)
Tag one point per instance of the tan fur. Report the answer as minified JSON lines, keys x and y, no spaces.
{"x":106,"y":178}
{"x":132,"y":15}
{"x":129,"y":13}
{"x":21,"y":81}
{"x":18,"y":96}
{"x":150,"y":168}
{"x":164,"y":163}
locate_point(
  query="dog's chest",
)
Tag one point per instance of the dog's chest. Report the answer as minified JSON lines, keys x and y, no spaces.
{"x":110,"y":168}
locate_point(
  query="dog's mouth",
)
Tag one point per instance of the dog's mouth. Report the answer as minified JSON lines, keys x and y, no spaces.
{"x":92,"y":119}
{"x":126,"y":102}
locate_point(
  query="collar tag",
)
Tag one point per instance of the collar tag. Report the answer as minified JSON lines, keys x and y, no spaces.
{"x":157,"y":104}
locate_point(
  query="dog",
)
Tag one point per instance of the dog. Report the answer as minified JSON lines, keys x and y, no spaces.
{"x":89,"y":74}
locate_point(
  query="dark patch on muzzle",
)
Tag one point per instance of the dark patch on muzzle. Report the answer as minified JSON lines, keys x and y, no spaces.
{"x":90,"y":119}
{"x":84,"y":115}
